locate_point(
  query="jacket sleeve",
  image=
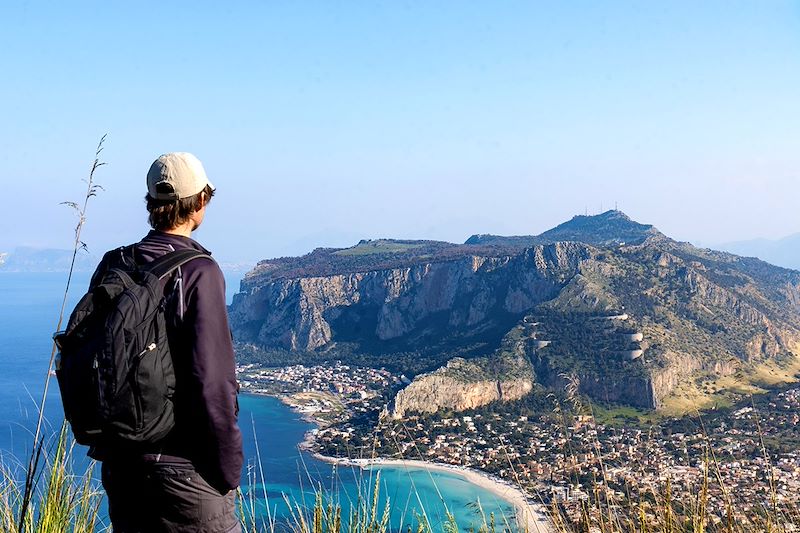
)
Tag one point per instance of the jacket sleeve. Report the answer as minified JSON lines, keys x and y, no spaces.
{"x":102,"y":267}
{"x":214,"y":376}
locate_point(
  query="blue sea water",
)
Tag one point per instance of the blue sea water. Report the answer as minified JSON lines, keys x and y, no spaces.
{"x":29,"y":304}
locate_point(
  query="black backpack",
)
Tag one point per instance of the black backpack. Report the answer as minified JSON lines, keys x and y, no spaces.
{"x":114,"y":366}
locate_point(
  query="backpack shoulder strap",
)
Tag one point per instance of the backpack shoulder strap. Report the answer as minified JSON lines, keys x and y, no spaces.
{"x":168,"y":262}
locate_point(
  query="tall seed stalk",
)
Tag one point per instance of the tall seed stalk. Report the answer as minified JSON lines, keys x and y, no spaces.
{"x":38,"y":441}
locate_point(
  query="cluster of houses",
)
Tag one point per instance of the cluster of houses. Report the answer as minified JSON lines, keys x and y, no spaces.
{"x":341,"y":390}
{"x":568,"y":464}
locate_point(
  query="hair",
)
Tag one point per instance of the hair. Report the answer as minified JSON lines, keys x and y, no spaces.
{"x":168,"y":214}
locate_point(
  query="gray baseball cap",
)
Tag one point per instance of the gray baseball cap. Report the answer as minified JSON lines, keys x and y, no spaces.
{"x":176,"y":175}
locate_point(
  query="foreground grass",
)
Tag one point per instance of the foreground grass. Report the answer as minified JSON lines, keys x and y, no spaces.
{"x":65,"y":501}
{"x":59,"y":501}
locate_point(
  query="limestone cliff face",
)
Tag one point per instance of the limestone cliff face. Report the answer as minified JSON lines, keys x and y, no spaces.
{"x":289,"y":313}
{"x":445,"y":389}
{"x":505,"y":375}
{"x":676,"y":370}
{"x":297,"y":313}
{"x":705,"y":292}
{"x":636,"y":390}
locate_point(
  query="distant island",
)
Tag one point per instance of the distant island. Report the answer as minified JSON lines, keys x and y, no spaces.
{"x":29,"y":259}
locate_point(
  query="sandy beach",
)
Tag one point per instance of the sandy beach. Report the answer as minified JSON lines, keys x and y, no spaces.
{"x":531,"y":517}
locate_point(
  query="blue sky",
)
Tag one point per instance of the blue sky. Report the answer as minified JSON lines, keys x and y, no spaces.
{"x":325,"y":122}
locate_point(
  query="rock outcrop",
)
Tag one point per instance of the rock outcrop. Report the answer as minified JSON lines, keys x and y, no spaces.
{"x":461,"y":384}
{"x":446,"y":389}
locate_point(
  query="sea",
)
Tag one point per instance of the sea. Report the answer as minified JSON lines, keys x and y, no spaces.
{"x":29,"y":309}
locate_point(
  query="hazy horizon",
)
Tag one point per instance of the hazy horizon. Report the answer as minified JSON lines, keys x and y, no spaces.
{"x":756,"y":246}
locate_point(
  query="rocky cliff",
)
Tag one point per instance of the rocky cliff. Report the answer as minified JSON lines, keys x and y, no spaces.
{"x":462,"y":294}
{"x":613,"y":305}
{"x":447,"y":389}
{"x":465,"y":384}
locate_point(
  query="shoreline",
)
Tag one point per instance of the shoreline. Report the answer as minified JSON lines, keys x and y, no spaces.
{"x":530,"y":516}
{"x":283,"y":397}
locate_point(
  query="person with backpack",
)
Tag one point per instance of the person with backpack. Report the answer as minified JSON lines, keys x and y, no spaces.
{"x":147,"y":370}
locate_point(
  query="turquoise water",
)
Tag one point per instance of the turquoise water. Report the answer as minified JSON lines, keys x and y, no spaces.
{"x":409,"y":490}
{"x":29,"y":305}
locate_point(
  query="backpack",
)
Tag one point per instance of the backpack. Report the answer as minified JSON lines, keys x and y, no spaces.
{"x":114,"y":366}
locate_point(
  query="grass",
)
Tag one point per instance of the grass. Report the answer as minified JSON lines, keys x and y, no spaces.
{"x":378,"y":247}
{"x":707,"y":392}
{"x":32,"y":470}
{"x":623,"y":414}
{"x":58,"y":501}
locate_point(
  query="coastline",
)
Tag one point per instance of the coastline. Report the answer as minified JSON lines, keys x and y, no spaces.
{"x":531,"y":517}
{"x":285,"y":399}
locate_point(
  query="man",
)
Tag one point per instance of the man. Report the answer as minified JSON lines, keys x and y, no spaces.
{"x":186,"y":482}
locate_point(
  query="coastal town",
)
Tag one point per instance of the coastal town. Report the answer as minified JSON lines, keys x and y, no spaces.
{"x":325,"y":394}
{"x":561,"y":458}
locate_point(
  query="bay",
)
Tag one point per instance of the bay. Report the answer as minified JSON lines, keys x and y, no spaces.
{"x":29,"y":304}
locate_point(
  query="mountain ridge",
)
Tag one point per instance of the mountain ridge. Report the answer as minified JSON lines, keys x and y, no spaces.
{"x":696,"y":315}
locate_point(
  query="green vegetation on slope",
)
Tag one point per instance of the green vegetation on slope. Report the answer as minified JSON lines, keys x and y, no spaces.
{"x":381,"y":246}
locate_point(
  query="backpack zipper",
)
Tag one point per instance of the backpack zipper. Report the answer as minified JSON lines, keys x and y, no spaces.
{"x":137,"y":393}
{"x":99,"y":384}
{"x":150,"y":348}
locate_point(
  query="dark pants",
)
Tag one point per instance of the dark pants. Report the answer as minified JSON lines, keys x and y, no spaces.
{"x":159,"y":497}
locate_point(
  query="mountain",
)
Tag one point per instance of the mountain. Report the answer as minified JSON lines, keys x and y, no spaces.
{"x":783,"y":252}
{"x":607,"y":305}
{"x":26,"y":259}
{"x":607,"y":229}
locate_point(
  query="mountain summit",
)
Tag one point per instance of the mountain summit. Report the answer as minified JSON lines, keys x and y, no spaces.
{"x":609,"y":228}
{"x":628,"y":314}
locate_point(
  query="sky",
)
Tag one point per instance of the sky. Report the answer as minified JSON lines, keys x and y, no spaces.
{"x":322,"y":123}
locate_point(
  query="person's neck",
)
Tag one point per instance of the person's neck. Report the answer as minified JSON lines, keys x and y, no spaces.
{"x":184,"y":230}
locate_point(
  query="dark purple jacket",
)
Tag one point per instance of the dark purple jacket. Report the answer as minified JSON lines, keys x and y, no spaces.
{"x":206,"y":432}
